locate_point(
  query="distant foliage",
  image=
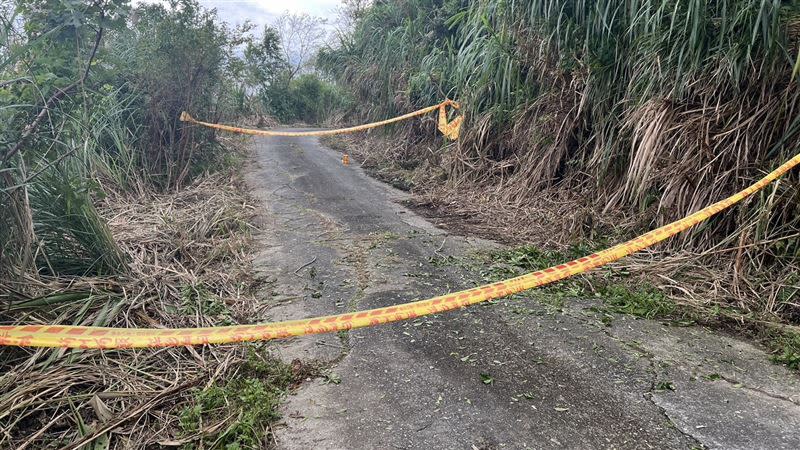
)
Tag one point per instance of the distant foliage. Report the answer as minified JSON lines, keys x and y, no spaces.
{"x":307,"y":99}
{"x":289,"y":87}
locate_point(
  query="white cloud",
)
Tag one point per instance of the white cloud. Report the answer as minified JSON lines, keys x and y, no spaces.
{"x":314,"y":7}
{"x":262,"y":12}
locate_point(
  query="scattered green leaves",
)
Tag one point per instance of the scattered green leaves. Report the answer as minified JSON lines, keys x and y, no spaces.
{"x":665,"y":386}
{"x":642,"y":301}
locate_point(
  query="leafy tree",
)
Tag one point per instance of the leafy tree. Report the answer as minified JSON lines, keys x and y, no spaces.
{"x":91,"y":93}
{"x":264,"y":59}
{"x":179,"y":58}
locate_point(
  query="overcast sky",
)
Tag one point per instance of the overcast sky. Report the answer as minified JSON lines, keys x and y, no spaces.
{"x":264,"y":11}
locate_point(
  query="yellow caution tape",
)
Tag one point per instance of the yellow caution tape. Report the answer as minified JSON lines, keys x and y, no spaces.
{"x":449,"y":129}
{"x":115,"y":338}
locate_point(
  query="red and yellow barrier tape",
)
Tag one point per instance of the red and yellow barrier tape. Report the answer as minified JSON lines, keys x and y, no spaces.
{"x":449,"y":129}
{"x":116,"y":338}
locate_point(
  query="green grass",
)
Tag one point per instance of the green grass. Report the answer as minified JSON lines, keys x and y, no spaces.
{"x":198,"y":300}
{"x":786,"y":350}
{"x":643,"y":300}
{"x":247,"y":402}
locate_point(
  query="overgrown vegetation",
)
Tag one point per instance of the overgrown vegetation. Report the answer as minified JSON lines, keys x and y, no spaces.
{"x":114,"y":213}
{"x":92,"y":105}
{"x":599,"y":118}
{"x":189,"y":265}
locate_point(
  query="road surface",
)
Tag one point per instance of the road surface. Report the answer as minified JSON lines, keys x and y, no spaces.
{"x":512,"y":374}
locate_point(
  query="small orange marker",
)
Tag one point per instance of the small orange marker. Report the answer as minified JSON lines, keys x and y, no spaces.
{"x":345,"y":159}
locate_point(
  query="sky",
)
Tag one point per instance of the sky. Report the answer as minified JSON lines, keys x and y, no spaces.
{"x":262,"y":12}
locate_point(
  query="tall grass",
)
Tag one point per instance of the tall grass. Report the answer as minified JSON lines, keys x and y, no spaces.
{"x":116,"y":129}
{"x":60,"y":181}
{"x":651,"y":107}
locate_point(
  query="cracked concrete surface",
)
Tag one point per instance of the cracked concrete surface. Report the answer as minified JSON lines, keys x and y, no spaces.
{"x":511,"y":374}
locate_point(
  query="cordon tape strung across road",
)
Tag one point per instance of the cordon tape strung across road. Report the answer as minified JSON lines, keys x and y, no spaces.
{"x":119,"y":338}
{"x":448,"y":128}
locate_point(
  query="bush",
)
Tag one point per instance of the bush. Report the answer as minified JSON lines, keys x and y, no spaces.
{"x":93,"y":97}
{"x":307,"y":98}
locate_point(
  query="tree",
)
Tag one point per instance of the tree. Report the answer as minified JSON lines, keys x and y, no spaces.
{"x":349,"y":13}
{"x":301,"y":37}
{"x":263,"y":58}
{"x":53,"y":67}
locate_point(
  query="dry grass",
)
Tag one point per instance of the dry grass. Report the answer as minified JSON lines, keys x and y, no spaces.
{"x":190,"y":265}
{"x":713,"y":281}
{"x":586,"y":119}
{"x":553,"y":219}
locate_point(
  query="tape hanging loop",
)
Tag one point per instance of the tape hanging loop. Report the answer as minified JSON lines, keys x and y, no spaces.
{"x":449,"y":129}
{"x":452,"y":128}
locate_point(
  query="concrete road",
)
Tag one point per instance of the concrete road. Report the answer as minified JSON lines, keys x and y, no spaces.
{"x":512,"y":374}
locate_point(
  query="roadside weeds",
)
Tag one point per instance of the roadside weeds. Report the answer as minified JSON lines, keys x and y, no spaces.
{"x":190,"y":264}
